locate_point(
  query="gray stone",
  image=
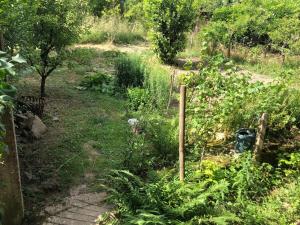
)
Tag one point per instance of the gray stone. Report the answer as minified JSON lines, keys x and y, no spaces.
{"x":38,"y":128}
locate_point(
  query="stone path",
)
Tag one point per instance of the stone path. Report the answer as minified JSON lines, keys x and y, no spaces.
{"x":82,"y":207}
{"x":78,"y":209}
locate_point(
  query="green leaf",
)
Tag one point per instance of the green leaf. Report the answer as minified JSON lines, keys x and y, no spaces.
{"x":18,"y":59}
{"x":11,"y":71}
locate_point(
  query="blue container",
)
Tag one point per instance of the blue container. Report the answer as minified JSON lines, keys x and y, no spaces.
{"x":245,"y":139}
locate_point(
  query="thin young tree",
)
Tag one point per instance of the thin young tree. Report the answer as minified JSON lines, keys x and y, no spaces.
{"x":169,"y":21}
{"x":56,"y":24}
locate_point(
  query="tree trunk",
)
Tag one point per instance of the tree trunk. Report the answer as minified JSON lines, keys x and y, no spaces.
{"x":43,"y":86}
{"x":122,"y":7}
{"x":283,"y":58}
{"x":229,"y":50}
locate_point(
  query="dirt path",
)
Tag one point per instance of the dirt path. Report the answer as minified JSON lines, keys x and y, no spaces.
{"x":62,"y":171}
{"x":112,"y":47}
{"x":177,"y":70}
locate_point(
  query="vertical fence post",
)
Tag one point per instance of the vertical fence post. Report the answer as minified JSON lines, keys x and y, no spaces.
{"x":10,"y":182}
{"x":260,"y":137}
{"x":172,"y":80}
{"x":182,"y":106}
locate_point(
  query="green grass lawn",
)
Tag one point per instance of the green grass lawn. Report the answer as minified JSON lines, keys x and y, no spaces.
{"x":88,"y":139}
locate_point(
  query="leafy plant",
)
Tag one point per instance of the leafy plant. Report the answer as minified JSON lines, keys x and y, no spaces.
{"x":167,"y":201}
{"x":162,"y":133}
{"x":138,"y":98}
{"x":137,"y":156}
{"x":7,"y":91}
{"x":169,"y":21}
{"x":290,"y":164}
{"x":98,"y":82}
{"x":221,"y":104}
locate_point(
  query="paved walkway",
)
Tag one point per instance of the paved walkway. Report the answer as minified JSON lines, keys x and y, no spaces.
{"x":78,"y":209}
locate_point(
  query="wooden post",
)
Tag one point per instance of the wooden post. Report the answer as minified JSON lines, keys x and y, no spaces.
{"x":11,"y":197}
{"x":260,"y":137}
{"x":182,"y":132}
{"x":172,"y":80}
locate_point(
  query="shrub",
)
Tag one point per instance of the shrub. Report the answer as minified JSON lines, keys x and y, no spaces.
{"x":221,"y":103}
{"x":169,"y":21}
{"x":282,"y":207}
{"x":129,"y":71}
{"x":137,"y":156}
{"x":163,"y":135}
{"x":290,"y":164}
{"x":167,"y":201}
{"x":211,"y":194}
{"x":127,"y":38}
{"x":95,"y":37}
{"x":138,"y":98}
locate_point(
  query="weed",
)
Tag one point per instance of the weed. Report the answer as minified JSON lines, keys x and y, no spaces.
{"x":98,"y":82}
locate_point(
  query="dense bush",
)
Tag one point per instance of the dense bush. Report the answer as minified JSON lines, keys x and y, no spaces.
{"x":147,"y":84}
{"x":163,"y":135}
{"x":222,"y":102}
{"x":153,"y":146}
{"x":138,"y":158}
{"x":213,"y":193}
{"x":169,"y":21}
{"x":272,"y":24}
{"x":157,"y":83}
{"x":129,"y":71}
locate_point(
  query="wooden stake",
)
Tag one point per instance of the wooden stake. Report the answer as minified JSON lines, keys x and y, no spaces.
{"x":182,"y":131}
{"x":171,"y":89}
{"x":260,"y":136}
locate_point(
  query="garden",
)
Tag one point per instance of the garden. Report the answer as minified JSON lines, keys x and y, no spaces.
{"x":94,"y":93}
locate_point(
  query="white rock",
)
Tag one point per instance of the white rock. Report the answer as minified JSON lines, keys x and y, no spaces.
{"x":133,"y":122}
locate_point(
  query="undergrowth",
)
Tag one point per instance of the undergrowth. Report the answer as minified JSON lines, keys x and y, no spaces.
{"x":231,"y":194}
{"x":237,"y":190}
{"x":114,"y":30}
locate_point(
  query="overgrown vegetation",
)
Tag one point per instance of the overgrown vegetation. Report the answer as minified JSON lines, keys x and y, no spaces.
{"x":211,"y":194}
{"x":222,"y":102}
{"x":220,"y":190}
{"x":114,"y":30}
{"x":94,"y":92}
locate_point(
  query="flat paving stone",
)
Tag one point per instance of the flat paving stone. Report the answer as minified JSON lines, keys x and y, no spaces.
{"x":80,"y":209}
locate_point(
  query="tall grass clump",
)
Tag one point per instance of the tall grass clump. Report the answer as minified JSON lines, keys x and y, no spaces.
{"x":147,"y":84}
{"x":157,"y":83}
{"x":114,"y":30}
{"x":130,"y":71}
